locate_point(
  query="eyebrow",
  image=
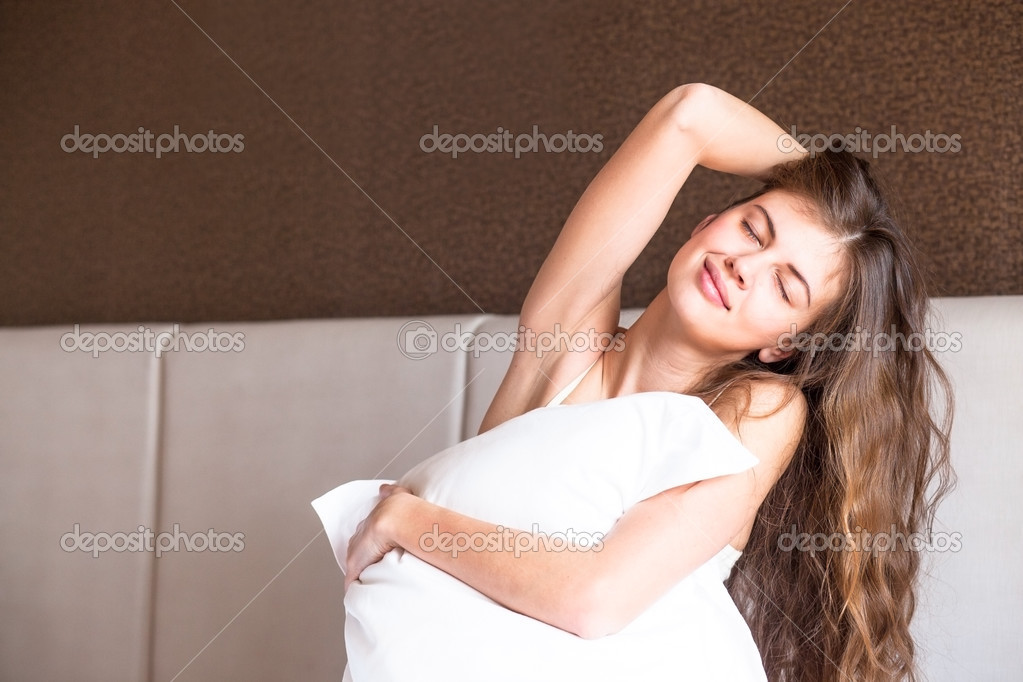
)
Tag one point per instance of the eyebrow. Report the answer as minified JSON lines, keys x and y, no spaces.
{"x":799,"y":276}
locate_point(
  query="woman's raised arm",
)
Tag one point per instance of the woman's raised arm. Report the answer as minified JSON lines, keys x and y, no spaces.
{"x":626,"y":202}
{"x":578,"y":287}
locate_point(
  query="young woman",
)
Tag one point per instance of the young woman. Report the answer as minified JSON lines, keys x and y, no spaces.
{"x":843,"y":433}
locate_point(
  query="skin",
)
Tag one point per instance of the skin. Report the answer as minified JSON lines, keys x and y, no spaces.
{"x":685,"y":331}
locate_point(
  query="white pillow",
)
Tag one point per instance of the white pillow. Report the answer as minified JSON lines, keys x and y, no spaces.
{"x":559,"y":470}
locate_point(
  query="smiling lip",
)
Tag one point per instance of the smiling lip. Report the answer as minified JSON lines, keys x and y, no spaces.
{"x":713,"y":284}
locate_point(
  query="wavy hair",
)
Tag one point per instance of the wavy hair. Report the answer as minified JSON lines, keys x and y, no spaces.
{"x":873,"y":461}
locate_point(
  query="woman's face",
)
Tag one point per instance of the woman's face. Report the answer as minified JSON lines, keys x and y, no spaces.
{"x":753,"y":273}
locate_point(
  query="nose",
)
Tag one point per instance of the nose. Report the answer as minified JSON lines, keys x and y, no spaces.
{"x":739,"y":268}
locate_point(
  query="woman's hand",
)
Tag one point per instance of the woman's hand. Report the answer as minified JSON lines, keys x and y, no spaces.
{"x":374,"y":537}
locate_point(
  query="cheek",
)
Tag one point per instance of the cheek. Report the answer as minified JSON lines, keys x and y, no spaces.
{"x":681,"y":254}
{"x":773,"y":315}
{"x":677,"y":268}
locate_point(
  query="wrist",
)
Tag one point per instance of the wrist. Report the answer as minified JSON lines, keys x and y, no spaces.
{"x":392,"y":520}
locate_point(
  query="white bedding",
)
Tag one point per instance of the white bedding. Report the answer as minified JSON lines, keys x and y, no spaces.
{"x":558,"y":470}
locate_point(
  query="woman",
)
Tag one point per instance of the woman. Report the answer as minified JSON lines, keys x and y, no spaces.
{"x":843,"y":437}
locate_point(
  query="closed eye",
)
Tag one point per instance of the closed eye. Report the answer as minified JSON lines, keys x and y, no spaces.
{"x":781,"y":287}
{"x":750,"y":233}
{"x":748,"y":228}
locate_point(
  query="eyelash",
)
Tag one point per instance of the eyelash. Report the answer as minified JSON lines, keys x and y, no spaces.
{"x":750,"y":233}
{"x":781,"y":289}
{"x":753,"y":235}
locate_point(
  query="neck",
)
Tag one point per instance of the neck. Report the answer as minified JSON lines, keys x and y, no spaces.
{"x":656,"y":356}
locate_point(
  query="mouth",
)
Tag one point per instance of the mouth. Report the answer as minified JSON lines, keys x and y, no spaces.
{"x":713,"y":285}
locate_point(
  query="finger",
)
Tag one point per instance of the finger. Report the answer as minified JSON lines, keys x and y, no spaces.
{"x":388,"y":489}
{"x":351,"y":575}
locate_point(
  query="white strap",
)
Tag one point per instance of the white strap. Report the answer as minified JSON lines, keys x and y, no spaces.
{"x":564,"y":393}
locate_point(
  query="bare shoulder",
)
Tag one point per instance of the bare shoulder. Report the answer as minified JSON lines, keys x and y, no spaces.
{"x":772,"y":424}
{"x":770,"y":397}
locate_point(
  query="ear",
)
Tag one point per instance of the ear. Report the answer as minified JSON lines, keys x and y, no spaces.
{"x":770,"y":355}
{"x":705,"y":222}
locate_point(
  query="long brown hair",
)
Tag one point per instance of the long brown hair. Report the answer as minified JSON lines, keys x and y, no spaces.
{"x":873,"y":459}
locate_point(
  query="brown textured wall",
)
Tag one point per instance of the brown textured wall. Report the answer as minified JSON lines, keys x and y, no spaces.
{"x":333,"y":210}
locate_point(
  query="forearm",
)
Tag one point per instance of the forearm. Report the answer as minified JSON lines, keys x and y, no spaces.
{"x":730,"y":135}
{"x":591,"y":593}
{"x":555,"y":587}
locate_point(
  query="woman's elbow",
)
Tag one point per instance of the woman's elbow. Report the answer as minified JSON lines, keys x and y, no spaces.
{"x":593,"y":614}
{"x":690,"y":104}
{"x":594,"y":628}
